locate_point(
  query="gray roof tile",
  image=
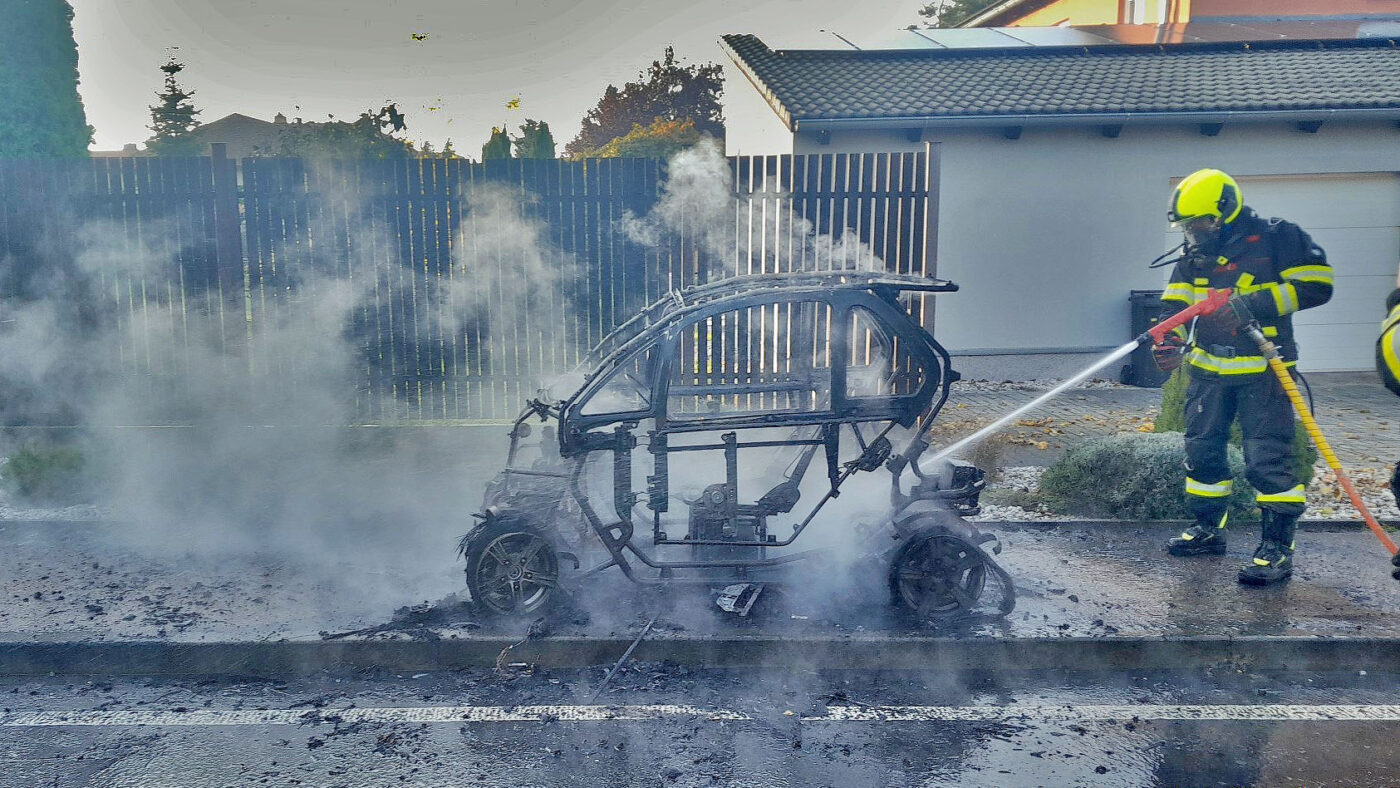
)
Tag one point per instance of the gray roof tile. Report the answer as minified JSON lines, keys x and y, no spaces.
{"x":1301,"y":76}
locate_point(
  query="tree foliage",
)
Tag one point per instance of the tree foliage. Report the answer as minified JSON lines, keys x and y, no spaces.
{"x":658,"y":140}
{"x":498,"y":147}
{"x":173,"y":117}
{"x":371,"y":136}
{"x":535,"y":141}
{"x":428,"y":151}
{"x":39,"y":82}
{"x":667,"y":90}
{"x":950,"y":13}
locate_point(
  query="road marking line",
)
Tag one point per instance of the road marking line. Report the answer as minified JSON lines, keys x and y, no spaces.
{"x":203,"y":717}
{"x":463,"y":714}
{"x":1105,"y":713}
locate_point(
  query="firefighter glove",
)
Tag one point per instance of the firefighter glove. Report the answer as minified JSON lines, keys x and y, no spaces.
{"x":1237,"y":309}
{"x":1229,"y":318}
{"x":1168,"y":353}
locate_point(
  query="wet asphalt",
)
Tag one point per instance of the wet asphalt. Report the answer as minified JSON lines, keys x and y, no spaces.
{"x":795,"y":728}
{"x":67,"y":581}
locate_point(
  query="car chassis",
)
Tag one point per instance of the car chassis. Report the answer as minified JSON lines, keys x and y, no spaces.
{"x":818,"y":355}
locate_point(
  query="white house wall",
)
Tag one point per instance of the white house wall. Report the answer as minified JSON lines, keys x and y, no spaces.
{"x":1047,"y":234}
{"x":751,"y":128}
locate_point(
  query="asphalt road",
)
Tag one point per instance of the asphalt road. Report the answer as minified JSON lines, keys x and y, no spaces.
{"x":659,"y":725}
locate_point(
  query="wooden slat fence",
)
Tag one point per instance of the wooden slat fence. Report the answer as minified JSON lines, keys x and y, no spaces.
{"x":462,"y":285}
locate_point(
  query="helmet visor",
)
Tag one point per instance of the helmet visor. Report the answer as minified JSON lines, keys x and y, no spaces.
{"x":1199,"y":230}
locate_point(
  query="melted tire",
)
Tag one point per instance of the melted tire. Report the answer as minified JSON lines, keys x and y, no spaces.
{"x":937,"y":576}
{"x":512,"y":570}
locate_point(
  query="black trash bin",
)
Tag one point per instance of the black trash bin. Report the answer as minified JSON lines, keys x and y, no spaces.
{"x":1141,"y":370}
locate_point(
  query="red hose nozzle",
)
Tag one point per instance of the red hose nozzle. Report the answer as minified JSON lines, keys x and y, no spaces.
{"x":1157,"y":333}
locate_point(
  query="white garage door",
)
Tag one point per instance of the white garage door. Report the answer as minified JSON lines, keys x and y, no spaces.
{"x":1356,"y":219}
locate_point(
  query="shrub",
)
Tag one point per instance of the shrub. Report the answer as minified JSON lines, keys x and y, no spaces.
{"x":45,"y":474}
{"x":1173,"y":419}
{"x":1133,"y":476}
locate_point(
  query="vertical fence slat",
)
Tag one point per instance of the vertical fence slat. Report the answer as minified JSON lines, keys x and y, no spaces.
{"x":442,"y":328}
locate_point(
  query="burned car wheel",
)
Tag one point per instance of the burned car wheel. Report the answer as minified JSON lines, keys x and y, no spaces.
{"x":511,"y":570}
{"x":936,"y":575}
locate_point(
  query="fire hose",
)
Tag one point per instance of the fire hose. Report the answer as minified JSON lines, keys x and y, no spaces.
{"x":1271,"y":354}
{"x":1218,"y":299}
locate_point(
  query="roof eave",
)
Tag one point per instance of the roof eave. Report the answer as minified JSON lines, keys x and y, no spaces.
{"x":1094,"y":119}
{"x":766,"y":92}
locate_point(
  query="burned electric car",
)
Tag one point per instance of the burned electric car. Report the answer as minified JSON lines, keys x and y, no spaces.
{"x":646,"y":461}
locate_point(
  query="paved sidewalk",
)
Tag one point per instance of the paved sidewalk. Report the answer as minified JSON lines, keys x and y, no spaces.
{"x":1087,"y":595}
{"x":1357,"y":415}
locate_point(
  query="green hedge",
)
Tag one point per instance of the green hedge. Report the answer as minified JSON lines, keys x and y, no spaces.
{"x":46,"y":474}
{"x":1133,"y":476}
{"x":1173,"y":419}
{"x":1140,"y":476}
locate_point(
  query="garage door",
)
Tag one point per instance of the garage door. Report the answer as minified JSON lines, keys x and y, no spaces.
{"x":1356,"y":219}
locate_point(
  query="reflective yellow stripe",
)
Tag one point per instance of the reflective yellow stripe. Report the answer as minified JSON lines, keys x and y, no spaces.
{"x":1389,"y":350}
{"x":1246,"y":279}
{"x":1285,"y":297}
{"x":1295,"y":495}
{"x":1217,"y":490}
{"x":1177,"y":291}
{"x":1391,"y":319}
{"x":1239,"y":365}
{"x":1308,"y":273}
{"x":1270,"y":331}
{"x":1261,"y":562}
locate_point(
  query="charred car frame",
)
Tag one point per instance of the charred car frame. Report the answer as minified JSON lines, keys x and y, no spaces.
{"x":794,"y":365}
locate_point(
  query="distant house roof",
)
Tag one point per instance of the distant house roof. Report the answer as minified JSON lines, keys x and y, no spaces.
{"x":1218,"y":82}
{"x":1011,"y":12}
{"x":245,"y":136}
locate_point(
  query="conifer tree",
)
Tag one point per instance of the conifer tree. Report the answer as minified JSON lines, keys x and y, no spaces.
{"x":39,"y":82}
{"x":498,"y":147}
{"x":173,"y":118}
{"x":535,"y":141}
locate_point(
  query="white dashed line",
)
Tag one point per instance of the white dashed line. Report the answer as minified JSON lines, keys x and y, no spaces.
{"x":1101,"y":713}
{"x":486,"y":714}
{"x":209,"y":717}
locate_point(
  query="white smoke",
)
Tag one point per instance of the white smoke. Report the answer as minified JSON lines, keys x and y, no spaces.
{"x":740,"y":233}
{"x":229,"y":433}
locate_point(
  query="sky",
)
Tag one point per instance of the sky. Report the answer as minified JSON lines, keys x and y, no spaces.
{"x":314,"y":58}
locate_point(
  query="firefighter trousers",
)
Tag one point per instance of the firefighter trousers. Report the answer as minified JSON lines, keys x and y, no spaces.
{"x":1266,"y":419}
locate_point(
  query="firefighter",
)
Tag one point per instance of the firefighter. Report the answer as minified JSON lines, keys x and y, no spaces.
{"x":1388,"y":367}
{"x":1273,"y":269}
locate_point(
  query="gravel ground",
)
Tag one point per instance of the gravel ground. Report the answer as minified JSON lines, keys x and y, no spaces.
{"x":1326,"y":499}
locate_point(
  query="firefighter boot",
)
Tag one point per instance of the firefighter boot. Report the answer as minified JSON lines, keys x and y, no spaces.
{"x":1207,"y":536}
{"x":1273,"y":561}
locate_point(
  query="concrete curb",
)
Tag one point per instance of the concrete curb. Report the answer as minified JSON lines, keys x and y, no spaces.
{"x":1167,"y":525}
{"x":974,"y":655}
{"x":1317,"y":525}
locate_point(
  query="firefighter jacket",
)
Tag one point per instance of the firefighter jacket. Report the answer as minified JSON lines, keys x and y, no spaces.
{"x":1275,"y":267}
{"x":1388,"y":346}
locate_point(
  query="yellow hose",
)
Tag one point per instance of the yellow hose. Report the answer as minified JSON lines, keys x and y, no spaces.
{"x":1299,"y":405}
